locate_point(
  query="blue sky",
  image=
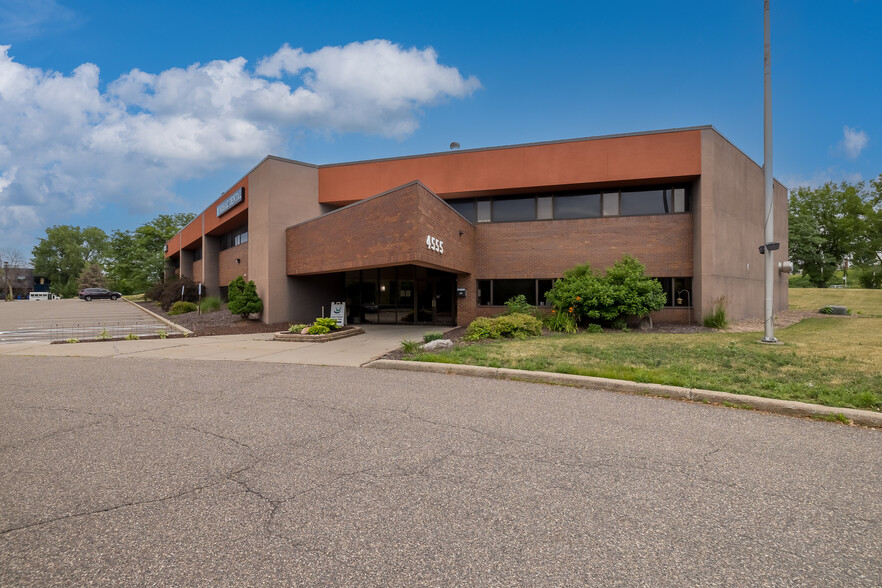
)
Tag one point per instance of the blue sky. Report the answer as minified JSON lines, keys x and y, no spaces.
{"x":112,"y":112}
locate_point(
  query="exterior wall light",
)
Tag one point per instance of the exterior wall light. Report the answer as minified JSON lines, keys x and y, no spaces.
{"x":238,"y":260}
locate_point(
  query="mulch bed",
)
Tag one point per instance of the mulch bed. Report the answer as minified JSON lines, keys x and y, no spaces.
{"x":220,"y":322}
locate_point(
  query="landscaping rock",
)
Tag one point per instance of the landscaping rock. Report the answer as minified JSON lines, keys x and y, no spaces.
{"x":438,"y":344}
{"x":834,"y":310}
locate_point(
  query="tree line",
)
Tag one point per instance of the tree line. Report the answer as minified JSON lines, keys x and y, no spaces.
{"x":126,"y":261}
{"x":837,"y":226}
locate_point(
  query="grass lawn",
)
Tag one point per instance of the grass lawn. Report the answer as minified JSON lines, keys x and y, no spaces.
{"x":830,"y":361}
{"x":858,"y":301}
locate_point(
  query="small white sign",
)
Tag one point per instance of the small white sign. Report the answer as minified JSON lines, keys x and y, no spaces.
{"x":338,"y":313}
{"x":434,"y":244}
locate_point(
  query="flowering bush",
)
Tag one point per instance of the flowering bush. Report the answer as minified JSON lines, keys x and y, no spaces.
{"x":624,"y":291}
{"x":563,"y":322}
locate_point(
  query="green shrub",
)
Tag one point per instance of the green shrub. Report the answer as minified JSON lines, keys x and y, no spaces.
{"x":162,"y":334}
{"x":318,"y":330}
{"x":167,"y":293}
{"x":718,"y":319}
{"x":410,"y":347}
{"x":243,"y":298}
{"x":296,"y":328}
{"x":518,"y":326}
{"x":624,"y":291}
{"x":132,"y":337}
{"x":154,"y":292}
{"x":519,"y":305}
{"x":104,"y":335}
{"x":594,"y":328}
{"x":210,"y":304}
{"x":432,"y":337}
{"x":563,"y":322}
{"x":330,"y":323}
{"x":181,"y":307}
{"x":868,"y":277}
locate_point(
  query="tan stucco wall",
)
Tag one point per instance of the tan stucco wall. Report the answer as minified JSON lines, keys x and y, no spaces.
{"x":728,"y":204}
{"x":282,"y":193}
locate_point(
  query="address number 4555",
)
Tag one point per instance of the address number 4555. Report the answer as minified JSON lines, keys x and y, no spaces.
{"x":434,"y":244}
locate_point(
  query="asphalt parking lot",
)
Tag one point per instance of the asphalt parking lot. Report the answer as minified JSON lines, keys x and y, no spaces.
{"x":118,"y":471}
{"x":23,"y":321}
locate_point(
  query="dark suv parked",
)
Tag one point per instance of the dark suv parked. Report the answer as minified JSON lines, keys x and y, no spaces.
{"x":90,"y":293}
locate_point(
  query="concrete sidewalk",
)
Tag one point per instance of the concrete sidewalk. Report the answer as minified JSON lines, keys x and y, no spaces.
{"x":352,"y":351}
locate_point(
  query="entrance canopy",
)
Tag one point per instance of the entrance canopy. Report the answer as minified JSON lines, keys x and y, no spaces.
{"x":407,"y":225}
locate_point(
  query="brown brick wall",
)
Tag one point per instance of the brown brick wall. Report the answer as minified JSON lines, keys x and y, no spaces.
{"x":545,"y":249}
{"x":390,"y":229}
{"x":197,"y":271}
{"x":228,"y":268}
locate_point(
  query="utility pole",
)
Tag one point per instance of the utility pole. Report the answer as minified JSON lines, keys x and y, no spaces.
{"x":770,"y":246}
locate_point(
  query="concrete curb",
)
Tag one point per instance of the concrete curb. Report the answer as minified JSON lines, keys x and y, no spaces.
{"x":176,"y":327}
{"x":784,"y":407}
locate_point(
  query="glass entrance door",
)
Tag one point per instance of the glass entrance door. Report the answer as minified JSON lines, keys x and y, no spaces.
{"x":434,"y":301}
{"x":444,"y":301}
{"x":404,"y":295}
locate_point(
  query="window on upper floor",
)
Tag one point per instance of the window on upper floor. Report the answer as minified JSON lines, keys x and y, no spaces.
{"x":575,"y":205}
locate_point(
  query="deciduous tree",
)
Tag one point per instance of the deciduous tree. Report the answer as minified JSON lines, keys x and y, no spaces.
{"x":828,"y":225}
{"x":63,"y":254}
{"x":137,"y":259}
{"x":10,"y":259}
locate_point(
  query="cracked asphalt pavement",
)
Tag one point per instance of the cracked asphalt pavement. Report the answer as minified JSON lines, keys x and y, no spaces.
{"x":159,"y":472}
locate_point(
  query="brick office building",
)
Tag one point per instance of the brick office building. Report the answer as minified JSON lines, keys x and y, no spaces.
{"x":445,"y":237}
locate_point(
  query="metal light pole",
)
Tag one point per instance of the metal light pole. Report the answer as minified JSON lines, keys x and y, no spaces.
{"x":769,"y":332}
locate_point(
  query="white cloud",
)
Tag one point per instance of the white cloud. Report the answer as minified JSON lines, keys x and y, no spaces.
{"x":68,"y":146}
{"x":853,"y":142}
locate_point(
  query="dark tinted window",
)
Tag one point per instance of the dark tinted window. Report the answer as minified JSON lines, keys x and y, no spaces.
{"x":577,"y":206}
{"x":483,"y":292}
{"x":466,"y":208}
{"x":683,"y":291}
{"x":544,"y":286}
{"x":514,"y":209}
{"x":643,"y":202}
{"x":505,"y":289}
